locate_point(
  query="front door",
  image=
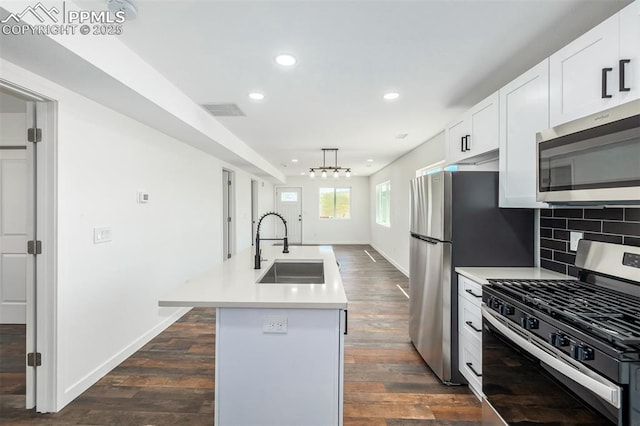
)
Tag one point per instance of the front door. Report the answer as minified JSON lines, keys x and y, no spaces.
{"x":289,"y":205}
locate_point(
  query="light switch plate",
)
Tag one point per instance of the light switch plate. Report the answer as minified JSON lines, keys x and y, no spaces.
{"x":574,"y":238}
{"x":143,"y":197}
{"x":101,"y":235}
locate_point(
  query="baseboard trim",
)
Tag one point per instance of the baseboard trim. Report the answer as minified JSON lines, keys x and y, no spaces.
{"x":73,"y":391}
{"x":333,"y":243}
{"x":390,"y":260}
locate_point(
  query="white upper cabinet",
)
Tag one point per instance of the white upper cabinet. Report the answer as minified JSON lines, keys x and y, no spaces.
{"x":630,"y":51}
{"x":598,"y":70}
{"x":474,"y":135}
{"x":524,"y":111}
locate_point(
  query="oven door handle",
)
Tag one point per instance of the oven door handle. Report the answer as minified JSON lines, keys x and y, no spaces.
{"x":604,"y":389}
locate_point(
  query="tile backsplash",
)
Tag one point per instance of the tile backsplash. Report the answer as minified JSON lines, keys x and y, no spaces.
{"x":611,"y":225}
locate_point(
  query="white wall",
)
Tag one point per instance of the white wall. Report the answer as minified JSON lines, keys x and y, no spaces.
{"x":393,"y":242}
{"x":107,"y":293}
{"x":333,"y":231}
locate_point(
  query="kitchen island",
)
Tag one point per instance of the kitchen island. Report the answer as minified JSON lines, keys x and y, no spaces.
{"x":279,"y":347}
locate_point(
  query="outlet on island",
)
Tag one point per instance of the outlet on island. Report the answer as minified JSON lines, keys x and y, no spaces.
{"x":276,"y":324}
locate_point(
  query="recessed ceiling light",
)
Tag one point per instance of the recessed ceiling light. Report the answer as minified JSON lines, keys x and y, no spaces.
{"x":370,"y":160}
{"x":390,"y":96}
{"x":294,"y":160}
{"x":302,"y":173}
{"x":256,"y":96}
{"x":285,"y":60}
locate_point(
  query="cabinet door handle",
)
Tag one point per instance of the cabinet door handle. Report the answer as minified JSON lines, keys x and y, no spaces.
{"x":346,"y":316}
{"x":473,"y":294}
{"x":467,"y":146}
{"x":461,"y":143}
{"x":605,"y":71}
{"x":470,"y":365}
{"x":476,"y":329}
{"x":621,"y":67}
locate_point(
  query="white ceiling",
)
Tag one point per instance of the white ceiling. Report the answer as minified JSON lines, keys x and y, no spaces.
{"x":441,"y":56}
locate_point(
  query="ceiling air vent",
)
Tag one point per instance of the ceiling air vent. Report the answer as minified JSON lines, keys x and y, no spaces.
{"x":224,"y":110}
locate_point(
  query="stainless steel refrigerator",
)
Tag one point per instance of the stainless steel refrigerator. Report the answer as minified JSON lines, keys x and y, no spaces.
{"x":455,"y":221}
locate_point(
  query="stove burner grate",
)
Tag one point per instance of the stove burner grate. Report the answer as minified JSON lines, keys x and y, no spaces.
{"x":609,"y":314}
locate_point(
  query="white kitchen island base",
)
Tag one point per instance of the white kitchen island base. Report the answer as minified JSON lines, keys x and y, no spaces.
{"x":279,"y":347}
{"x":269,"y":376}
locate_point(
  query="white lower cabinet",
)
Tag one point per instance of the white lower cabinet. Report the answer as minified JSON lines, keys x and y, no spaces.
{"x":470,"y":329}
{"x":278,"y":367}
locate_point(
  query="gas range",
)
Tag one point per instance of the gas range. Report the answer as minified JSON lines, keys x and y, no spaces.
{"x":593,"y":325}
{"x":585,"y":332}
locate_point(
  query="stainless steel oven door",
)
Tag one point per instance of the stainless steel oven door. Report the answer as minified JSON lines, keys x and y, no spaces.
{"x":526,"y":381}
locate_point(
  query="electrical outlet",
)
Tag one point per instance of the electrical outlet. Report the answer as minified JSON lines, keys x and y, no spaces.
{"x":101,"y":235}
{"x":574,"y":238}
{"x":275,"y":324}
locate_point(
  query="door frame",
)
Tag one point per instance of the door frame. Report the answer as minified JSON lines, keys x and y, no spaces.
{"x":254,"y":209}
{"x":228,"y":213}
{"x":41,"y":278}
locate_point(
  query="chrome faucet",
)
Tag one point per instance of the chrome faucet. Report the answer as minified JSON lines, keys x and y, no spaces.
{"x":257,"y":260}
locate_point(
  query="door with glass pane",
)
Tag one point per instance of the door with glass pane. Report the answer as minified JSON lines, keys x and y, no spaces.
{"x":289,"y":205}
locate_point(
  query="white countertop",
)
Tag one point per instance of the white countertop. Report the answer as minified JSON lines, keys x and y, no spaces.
{"x":482,"y":274}
{"x":232,"y":284}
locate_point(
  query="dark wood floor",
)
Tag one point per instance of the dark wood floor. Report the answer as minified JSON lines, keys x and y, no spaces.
{"x":170,"y":380}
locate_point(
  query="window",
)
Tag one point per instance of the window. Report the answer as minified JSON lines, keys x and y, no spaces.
{"x":383,"y":203}
{"x":335,"y":203}
{"x":289,"y":197}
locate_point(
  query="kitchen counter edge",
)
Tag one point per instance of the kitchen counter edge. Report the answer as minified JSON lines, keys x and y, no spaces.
{"x":481,"y":275}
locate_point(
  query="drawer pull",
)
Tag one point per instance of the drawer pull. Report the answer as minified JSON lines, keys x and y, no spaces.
{"x":470,"y":324}
{"x":470,"y":365}
{"x":473,"y":294}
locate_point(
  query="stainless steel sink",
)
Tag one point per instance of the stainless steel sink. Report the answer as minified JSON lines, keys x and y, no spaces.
{"x":294,"y":272}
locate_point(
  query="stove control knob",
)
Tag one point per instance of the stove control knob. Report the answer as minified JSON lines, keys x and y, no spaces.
{"x":495,"y":304}
{"x":529,"y":323}
{"x":558,"y":340}
{"x":581,"y":352}
{"x":507,"y":310}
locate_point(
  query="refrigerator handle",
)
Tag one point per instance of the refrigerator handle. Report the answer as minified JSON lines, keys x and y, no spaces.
{"x":425,"y":239}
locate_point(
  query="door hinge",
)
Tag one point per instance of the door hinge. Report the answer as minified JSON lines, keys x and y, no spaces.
{"x":34,"y":359}
{"x":34,"y":247}
{"x":228,"y":219}
{"x":229,"y":183}
{"x":228,"y":255}
{"x":34,"y":135}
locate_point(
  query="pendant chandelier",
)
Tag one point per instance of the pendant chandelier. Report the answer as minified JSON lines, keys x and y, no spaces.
{"x":325,"y":170}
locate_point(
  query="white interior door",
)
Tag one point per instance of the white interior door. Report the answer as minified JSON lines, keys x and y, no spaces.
{"x":289,"y":205}
{"x":13,"y":234}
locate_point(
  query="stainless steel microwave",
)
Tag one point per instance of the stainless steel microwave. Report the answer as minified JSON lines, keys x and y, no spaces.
{"x":592,"y":161}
